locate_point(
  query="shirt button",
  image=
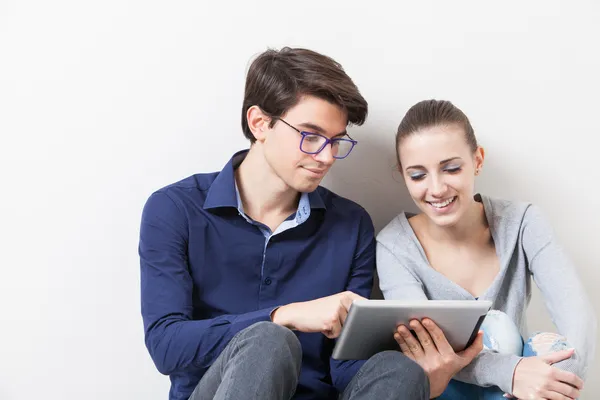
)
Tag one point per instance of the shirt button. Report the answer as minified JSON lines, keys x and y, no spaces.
{"x":268,"y":281}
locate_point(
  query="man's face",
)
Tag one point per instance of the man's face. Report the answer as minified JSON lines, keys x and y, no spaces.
{"x":281,"y":143}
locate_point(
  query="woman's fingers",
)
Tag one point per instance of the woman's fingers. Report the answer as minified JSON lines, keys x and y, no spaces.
{"x":424,"y":338}
{"x":403,"y":346}
{"x":438,"y":337}
{"x":413,"y":344}
{"x":564,"y":389}
{"x":567,"y":377}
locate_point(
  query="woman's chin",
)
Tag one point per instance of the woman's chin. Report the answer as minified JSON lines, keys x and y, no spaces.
{"x":445,"y":219}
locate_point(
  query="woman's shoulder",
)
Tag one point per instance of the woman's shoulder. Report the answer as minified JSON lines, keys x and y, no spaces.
{"x":397,"y":232}
{"x":505,"y":210}
{"x":513,"y":217}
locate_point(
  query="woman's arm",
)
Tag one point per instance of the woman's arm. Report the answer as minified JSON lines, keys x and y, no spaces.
{"x":564,"y":294}
{"x":395,"y":280}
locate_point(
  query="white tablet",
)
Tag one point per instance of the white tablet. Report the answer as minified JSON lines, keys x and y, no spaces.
{"x":370,"y":325}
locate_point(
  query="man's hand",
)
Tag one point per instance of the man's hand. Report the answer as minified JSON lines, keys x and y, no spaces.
{"x":325,"y":315}
{"x":535,"y":378}
{"x":434,"y":354}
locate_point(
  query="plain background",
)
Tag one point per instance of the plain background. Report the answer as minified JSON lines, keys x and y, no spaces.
{"x":103,"y":102}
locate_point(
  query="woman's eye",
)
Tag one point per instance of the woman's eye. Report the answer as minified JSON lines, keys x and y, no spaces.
{"x":453,"y":170}
{"x":417,"y":177}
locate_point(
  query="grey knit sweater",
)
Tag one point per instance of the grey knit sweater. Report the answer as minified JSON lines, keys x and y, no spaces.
{"x":526,"y":248}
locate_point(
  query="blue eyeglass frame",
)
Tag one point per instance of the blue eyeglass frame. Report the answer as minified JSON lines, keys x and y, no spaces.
{"x":327,"y":140}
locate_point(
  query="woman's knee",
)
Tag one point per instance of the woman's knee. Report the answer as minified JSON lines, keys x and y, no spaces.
{"x":543,"y":343}
{"x":501,"y":334}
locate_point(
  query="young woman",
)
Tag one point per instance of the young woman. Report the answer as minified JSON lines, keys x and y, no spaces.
{"x":466,"y":246}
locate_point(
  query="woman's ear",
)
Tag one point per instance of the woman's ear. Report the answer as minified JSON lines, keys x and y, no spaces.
{"x":258,"y":122}
{"x":478,"y":158}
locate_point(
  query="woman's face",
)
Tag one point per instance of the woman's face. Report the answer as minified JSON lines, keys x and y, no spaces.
{"x":439,"y":169}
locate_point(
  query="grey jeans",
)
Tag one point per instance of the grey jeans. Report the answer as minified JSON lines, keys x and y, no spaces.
{"x":263,"y":362}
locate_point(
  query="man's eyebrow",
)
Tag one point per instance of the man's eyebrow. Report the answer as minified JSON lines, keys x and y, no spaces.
{"x":317,"y":129}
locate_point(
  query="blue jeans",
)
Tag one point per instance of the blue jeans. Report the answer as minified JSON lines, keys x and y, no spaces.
{"x":501,"y":335}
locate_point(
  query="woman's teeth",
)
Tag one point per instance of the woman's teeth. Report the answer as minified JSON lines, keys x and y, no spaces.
{"x":443,"y":203}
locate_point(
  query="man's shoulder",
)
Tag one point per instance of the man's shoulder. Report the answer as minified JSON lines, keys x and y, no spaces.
{"x":192,"y":188}
{"x":199,"y":181}
{"x":341,"y":205}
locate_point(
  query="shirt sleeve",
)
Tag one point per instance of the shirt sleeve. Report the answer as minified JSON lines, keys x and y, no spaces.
{"x":361,"y":283}
{"x":395,"y":280}
{"x":564,"y":294}
{"x":174,"y":340}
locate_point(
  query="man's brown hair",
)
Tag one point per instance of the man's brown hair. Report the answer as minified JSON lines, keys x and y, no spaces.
{"x":277,"y":80}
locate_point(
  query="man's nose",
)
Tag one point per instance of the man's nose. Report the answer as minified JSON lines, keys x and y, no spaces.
{"x":325,"y":156}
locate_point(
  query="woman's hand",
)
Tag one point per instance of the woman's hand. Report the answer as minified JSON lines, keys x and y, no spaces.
{"x":434,"y":354}
{"x":535,"y":378}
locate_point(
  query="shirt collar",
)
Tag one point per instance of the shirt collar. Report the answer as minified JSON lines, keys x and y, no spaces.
{"x":223,"y":191}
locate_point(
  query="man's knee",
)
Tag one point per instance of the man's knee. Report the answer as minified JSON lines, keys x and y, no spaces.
{"x":397,"y":369}
{"x":273,"y":341}
{"x":398,"y":362}
{"x":262,"y":357}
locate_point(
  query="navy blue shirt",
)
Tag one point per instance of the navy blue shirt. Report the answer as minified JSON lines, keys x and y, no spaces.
{"x":209,"y":271}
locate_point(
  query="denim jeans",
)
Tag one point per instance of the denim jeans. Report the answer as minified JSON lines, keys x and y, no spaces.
{"x":263,"y":362}
{"x":501,"y":335}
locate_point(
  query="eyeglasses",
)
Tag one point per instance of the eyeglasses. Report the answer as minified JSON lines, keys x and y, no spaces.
{"x":314,"y":143}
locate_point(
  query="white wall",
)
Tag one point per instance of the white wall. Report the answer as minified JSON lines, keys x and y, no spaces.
{"x":103,"y":102}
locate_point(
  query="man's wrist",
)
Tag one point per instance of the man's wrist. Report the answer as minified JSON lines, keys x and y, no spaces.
{"x":272,"y":313}
{"x":279,"y":317}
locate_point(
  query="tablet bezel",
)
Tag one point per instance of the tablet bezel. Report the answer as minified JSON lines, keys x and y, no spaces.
{"x":364,"y":331}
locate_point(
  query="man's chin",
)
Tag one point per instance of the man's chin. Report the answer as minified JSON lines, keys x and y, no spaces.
{"x":307,"y":187}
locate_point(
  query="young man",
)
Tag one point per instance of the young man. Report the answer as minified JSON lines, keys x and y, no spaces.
{"x":247,"y":274}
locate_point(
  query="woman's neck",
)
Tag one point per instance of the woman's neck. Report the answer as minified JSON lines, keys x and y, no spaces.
{"x":472,"y":227}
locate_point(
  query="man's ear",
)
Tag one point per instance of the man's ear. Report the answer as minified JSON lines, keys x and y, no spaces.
{"x":258,"y":122}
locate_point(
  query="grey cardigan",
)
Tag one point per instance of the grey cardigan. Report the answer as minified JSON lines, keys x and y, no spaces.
{"x":526,"y":248}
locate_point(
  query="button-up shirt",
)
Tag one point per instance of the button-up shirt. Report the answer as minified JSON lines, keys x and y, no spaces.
{"x":208,"y":271}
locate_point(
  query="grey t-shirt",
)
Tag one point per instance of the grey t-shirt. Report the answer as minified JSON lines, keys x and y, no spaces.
{"x":526,"y":248}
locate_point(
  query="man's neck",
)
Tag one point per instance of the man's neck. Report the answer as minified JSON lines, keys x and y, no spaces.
{"x":265,"y":197}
